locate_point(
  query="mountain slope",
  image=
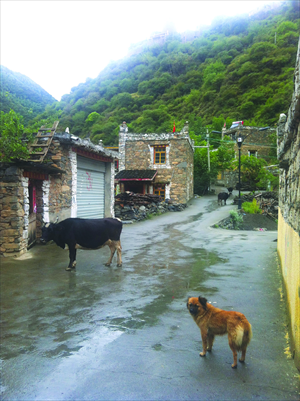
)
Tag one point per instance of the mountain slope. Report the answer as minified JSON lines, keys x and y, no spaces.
{"x":23,"y":95}
{"x":239,"y":69}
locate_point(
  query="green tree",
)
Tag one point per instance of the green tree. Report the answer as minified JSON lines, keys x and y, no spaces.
{"x":220,"y":160}
{"x":225,"y":155}
{"x":92,"y":117}
{"x":202,"y":176}
{"x":197,"y":130}
{"x":253,"y":172}
{"x":13,"y":141}
{"x":214,"y":75}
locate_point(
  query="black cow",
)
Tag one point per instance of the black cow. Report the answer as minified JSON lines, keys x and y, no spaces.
{"x":223,"y":196}
{"x":85,"y":234}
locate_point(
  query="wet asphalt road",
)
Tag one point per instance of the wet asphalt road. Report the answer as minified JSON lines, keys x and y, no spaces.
{"x":125,"y":334}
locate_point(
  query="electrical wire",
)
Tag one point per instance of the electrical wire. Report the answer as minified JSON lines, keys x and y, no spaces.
{"x":244,"y":144}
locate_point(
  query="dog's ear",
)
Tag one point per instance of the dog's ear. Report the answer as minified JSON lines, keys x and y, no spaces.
{"x":203,"y":301}
{"x":187,"y":302}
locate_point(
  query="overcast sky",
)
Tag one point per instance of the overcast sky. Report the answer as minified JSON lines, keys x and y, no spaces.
{"x":58,"y":44}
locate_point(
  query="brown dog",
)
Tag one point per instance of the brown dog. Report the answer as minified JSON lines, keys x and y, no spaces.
{"x":214,"y":321}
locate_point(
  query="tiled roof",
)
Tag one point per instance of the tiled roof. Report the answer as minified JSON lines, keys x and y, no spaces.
{"x":132,"y":175}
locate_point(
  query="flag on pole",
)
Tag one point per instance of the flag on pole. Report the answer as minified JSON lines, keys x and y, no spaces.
{"x":174,"y":127}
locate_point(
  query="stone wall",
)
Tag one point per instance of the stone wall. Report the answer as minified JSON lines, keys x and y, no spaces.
{"x":13,"y":187}
{"x":288,"y":245}
{"x":59,"y":202}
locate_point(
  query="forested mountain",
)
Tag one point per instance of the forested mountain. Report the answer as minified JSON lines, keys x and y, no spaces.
{"x":241,"y":68}
{"x":21,"y":94}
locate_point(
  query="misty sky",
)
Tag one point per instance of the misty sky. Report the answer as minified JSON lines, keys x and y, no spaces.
{"x":58,"y":44}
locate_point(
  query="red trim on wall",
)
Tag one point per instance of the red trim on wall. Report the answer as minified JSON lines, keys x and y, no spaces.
{"x":35,"y":176}
{"x":91,"y":155}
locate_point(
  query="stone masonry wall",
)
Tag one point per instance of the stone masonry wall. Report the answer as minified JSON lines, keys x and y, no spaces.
{"x":288,"y":245}
{"x":138,"y":154}
{"x":60,"y":193}
{"x":288,"y":134}
{"x":13,"y":238}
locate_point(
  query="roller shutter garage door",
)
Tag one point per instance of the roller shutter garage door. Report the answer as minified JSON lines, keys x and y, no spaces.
{"x":90,"y":188}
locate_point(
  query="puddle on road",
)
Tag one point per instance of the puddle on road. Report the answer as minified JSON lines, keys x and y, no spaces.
{"x":52,"y":314}
{"x":48,"y":312}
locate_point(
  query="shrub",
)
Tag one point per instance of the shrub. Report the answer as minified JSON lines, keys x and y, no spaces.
{"x":236,"y":219}
{"x":251,"y":207}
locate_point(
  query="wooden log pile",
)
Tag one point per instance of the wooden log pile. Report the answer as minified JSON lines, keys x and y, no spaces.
{"x":132,"y":199}
{"x":267,"y":202}
{"x":130,"y":206}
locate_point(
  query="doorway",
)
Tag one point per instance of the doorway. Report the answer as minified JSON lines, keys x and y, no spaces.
{"x":32,"y":213}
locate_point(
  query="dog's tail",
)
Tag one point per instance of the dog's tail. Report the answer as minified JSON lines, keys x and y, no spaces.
{"x":250,"y":335}
{"x":243,"y":336}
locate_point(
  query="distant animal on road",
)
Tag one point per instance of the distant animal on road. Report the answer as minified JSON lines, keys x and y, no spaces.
{"x":85,"y":234}
{"x":214,"y":321}
{"x":223,"y":196}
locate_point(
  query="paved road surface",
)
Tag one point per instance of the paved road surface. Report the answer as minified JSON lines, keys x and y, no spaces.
{"x":125,"y":334}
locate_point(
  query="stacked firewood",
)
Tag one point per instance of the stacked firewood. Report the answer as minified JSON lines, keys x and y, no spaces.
{"x":133,"y":199}
{"x":267,"y":202}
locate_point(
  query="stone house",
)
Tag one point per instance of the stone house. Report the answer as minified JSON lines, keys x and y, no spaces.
{"x":288,"y":244}
{"x":257,"y":142}
{"x":161,"y":164}
{"x":75,"y":179}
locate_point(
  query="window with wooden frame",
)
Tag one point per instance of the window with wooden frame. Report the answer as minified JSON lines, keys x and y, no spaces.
{"x":159,"y":189}
{"x":160,"y":154}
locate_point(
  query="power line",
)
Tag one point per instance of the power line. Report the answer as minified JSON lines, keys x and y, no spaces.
{"x":245,"y":144}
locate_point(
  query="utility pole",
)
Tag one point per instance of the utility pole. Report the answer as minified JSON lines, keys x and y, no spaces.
{"x":208,"y":156}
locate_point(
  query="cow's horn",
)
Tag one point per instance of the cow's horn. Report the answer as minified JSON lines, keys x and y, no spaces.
{"x":47,"y":225}
{"x":56,"y":220}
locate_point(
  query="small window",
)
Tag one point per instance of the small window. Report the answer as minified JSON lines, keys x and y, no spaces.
{"x":252,"y":153}
{"x":160,"y":154}
{"x":159,"y":189}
